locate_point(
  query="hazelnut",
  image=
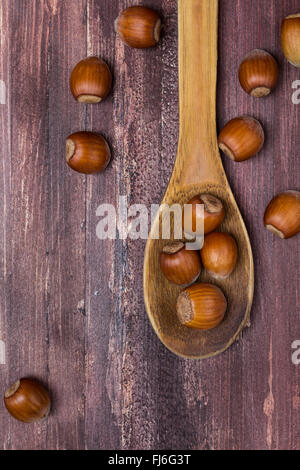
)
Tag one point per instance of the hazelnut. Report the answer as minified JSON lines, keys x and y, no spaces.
{"x":258,"y":73}
{"x":201,"y":306}
{"x":290,"y":38}
{"x":90,"y":80}
{"x":241,"y":138}
{"x":27,"y":400}
{"x":219,"y":254}
{"x":282,"y":216}
{"x":214,"y":214}
{"x":87,"y":152}
{"x":179,"y":265}
{"x":139,"y":27}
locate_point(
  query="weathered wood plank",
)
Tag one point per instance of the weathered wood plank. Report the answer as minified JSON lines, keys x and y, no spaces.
{"x":45,"y":275}
{"x":5,"y":139}
{"x":104,"y":257}
{"x":26,"y":347}
{"x":114,"y":385}
{"x":264,"y":371}
{"x":66,"y":237}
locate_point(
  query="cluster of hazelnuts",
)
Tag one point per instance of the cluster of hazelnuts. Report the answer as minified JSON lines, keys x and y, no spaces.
{"x":91,"y":81}
{"x":203,"y":306}
{"x":243,"y":137}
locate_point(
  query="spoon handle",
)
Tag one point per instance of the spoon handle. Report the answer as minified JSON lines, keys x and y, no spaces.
{"x":198,"y":156}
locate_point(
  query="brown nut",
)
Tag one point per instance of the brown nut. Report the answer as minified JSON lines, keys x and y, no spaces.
{"x":27,"y":400}
{"x":139,"y":27}
{"x":241,"y":138}
{"x":258,"y":73}
{"x":201,"y":306}
{"x":282,"y":216}
{"x":290,"y":39}
{"x":214,"y":214}
{"x":179,"y":265}
{"x":87,"y":152}
{"x":90,"y":81}
{"x":219,"y":254}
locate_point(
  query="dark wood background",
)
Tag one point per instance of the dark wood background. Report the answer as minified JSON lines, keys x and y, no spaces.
{"x":72,"y":310}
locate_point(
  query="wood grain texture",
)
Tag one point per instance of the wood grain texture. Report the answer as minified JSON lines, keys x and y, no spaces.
{"x":114,"y":385}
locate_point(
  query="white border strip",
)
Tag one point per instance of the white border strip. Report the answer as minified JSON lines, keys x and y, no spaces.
{"x":2,"y":92}
{"x":2,"y":353}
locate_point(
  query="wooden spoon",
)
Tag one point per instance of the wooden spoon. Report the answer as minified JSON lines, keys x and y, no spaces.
{"x":198,"y":169}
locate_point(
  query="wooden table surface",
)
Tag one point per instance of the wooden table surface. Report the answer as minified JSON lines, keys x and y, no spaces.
{"x":72,"y":311}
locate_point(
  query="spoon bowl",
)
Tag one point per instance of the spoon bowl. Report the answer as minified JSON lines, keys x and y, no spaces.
{"x":161,"y":295}
{"x":198,"y":170}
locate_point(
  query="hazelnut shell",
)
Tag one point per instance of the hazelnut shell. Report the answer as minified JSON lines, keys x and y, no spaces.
{"x":201,"y":306}
{"x":214,"y":214}
{"x":219,"y":254}
{"x":179,"y":265}
{"x":290,"y":39}
{"x":27,"y":400}
{"x":282,"y":216}
{"x":241,"y":138}
{"x":258,"y":73}
{"x":139,"y":27}
{"x":87,"y":152}
{"x":91,"y":80}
